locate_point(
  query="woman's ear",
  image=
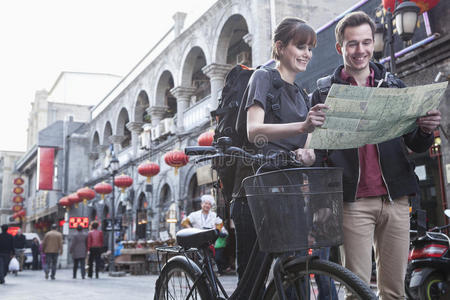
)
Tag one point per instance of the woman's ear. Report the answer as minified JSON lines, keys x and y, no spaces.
{"x":279,"y":46}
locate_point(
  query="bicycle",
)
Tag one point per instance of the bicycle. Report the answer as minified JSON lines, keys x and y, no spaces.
{"x":189,"y":273}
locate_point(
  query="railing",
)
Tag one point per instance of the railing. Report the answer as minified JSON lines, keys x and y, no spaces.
{"x":198,"y":113}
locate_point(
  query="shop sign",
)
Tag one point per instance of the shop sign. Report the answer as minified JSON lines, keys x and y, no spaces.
{"x":74,"y":222}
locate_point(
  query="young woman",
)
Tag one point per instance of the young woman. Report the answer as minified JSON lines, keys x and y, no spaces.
{"x":292,"y":50}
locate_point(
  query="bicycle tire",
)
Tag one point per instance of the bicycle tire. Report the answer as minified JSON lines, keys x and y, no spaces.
{"x":342,"y":278}
{"x":176,"y":279}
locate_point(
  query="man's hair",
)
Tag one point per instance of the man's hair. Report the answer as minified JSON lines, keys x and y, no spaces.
{"x":79,"y":228}
{"x":353,"y":19}
{"x":95,"y":225}
{"x":4,"y":228}
{"x":54,"y":227}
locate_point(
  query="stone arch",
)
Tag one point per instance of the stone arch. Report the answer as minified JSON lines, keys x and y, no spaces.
{"x":165,"y":199}
{"x":121,"y":128}
{"x":163,"y":96}
{"x":95,"y":142}
{"x":141,"y":216}
{"x":231,"y":47}
{"x":192,"y":74}
{"x":107,"y":132}
{"x":140,"y":107}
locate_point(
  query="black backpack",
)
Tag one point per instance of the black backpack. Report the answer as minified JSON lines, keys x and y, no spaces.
{"x":231,"y":118}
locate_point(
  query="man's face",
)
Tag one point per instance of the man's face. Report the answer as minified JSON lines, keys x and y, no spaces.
{"x":357,"y":48}
{"x":206,"y":206}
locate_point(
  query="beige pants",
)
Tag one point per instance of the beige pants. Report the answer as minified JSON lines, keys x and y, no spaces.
{"x":385,"y":225}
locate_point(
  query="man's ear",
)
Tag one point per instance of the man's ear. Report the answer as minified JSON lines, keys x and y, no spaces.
{"x":339,"y":48}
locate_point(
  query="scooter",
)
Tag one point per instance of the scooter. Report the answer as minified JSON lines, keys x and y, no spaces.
{"x":429,"y":265}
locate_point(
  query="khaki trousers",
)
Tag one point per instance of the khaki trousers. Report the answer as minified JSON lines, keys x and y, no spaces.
{"x":385,"y":225}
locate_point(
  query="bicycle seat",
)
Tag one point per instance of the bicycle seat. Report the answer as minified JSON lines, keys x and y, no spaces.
{"x":196,"y":238}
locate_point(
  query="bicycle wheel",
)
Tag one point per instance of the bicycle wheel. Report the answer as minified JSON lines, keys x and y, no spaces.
{"x":301,"y":283}
{"x":177,"y":279}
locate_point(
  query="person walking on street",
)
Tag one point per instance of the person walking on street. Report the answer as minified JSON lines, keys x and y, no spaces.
{"x":78,"y":250}
{"x":52,"y":247}
{"x":95,"y":248}
{"x":377,"y":178}
{"x":6,"y":251}
{"x":35,"y":253}
{"x":19,"y":248}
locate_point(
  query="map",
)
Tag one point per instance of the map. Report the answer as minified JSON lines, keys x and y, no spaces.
{"x":364,"y":115}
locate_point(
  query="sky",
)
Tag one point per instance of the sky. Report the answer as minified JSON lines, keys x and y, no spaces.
{"x":42,"y":38}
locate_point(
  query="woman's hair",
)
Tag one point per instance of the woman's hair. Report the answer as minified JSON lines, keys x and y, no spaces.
{"x":294,"y":29}
{"x":95,"y":224}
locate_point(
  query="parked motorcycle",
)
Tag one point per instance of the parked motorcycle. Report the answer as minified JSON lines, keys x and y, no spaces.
{"x":429,"y":265}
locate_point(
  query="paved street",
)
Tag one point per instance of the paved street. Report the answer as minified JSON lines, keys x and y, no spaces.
{"x":31,"y":285}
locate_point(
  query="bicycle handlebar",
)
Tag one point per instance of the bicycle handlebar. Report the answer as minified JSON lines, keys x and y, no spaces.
{"x":224,"y":149}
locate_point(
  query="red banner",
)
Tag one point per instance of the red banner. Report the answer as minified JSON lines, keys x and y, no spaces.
{"x":46,"y":168}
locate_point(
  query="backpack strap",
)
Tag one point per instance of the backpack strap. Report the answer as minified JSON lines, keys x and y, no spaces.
{"x":324,"y":85}
{"x":273,"y":96}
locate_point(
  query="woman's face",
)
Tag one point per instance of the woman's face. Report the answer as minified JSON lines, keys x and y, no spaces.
{"x":295,"y":57}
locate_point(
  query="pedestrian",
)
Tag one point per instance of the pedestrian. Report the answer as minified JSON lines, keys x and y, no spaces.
{"x":219,"y":246}
{"x":6,"y":251}
{"x":203,"y":218}
{"x":41,"y":252}
{"x":35,"y":253}
{"x":78,"y":250}
{"x":377,"y":178}
{"x":52,"y":247}
{"x":95,"y":248}
{"x":19,"y":247}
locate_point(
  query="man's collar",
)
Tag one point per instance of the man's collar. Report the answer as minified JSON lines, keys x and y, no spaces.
{"x":350,"y":79}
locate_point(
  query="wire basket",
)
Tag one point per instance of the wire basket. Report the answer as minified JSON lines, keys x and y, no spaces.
{"x":296,"y":209}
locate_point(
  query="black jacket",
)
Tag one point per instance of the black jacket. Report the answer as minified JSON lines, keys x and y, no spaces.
{"x":19,"y":241}
{"x":397,"y":170}
{"x":6,"y":243}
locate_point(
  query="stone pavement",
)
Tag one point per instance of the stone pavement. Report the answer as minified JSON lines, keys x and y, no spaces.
{"x":31,"y":285}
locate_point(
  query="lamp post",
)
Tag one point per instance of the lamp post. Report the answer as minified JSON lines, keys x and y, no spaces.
{"x":406,"y":15}
{"x":113,"y":168}
{"x":148,"y":146}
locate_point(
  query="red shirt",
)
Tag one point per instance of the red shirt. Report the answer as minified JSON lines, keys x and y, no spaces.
{"x":370,"y":180}
{"x":95,"y":239}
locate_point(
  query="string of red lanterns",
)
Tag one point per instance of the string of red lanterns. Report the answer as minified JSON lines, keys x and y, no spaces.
{"x":148,"y":169}
{"x":176,"y":159}
{"x":123,"y":181}
{"x":86,"y":194}
{"x":206,"y":138}
{"x":103,"y":188}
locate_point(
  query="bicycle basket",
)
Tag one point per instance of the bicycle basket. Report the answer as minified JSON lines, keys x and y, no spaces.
{"x":296,"y":209}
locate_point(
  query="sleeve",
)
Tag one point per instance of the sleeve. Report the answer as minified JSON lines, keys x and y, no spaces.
{"x":418,"y":141}
{"x":258,"y":87}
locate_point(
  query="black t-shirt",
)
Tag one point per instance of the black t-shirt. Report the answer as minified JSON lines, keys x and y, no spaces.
{"x":293,"y":108}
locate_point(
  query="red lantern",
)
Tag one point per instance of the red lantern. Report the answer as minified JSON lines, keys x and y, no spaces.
{"x":123,"y":181}
{"x":206,"y":138}
{"x":18,"y":190}
{"x":18,"y":181}
{"x":86,"y":194}
{"x":18,"y":199}
{"x":424,"y":5}
{"x":148,"y":169}
{"x":74,"y":199}
{"x":64,"y":201}
{"x":17,"y":208}
{"x":103,"y":188}
{"x":176,"y":158}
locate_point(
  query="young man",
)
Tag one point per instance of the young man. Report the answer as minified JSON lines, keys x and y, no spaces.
{"x":52,"y":246}
{"x":377,"y":178}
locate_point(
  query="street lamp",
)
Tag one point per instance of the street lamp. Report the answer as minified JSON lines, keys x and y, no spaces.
{"x":113,"y":168}
{"x":406,"y":15}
